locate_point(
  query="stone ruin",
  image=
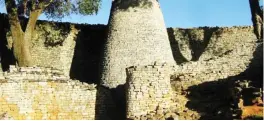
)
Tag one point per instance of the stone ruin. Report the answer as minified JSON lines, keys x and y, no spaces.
{"x":229,"y":53}
{"x":46,"y":93}
{"x":148,"y":90}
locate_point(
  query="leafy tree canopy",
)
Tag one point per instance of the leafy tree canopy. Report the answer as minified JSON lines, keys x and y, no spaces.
{"x":56,"y":8}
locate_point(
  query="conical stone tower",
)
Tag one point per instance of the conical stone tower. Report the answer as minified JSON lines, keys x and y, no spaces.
{"x":137,"y":35}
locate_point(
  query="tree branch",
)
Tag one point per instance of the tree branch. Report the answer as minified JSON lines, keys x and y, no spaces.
{"x":11,"y":9}
{"x":43,"y":4}
{"x":33,"y":16}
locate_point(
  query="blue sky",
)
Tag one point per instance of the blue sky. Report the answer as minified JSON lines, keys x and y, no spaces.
{"x":183,"y":13}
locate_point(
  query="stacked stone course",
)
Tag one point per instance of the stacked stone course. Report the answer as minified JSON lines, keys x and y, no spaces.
{"x":148,"y":88}
{"x":34,"y":73}
{"x":137,"y":36}
{"x":43,"y":93}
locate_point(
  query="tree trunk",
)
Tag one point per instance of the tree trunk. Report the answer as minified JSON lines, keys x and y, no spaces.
{"x":137,"y":36}
{"x":257,"y":18}
{"x":21,"y":39}
{"x":28,"y":36}
{"x":20,"y":51}
{"x":20,"y":47}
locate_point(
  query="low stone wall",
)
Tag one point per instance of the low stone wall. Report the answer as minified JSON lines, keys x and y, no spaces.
{"x":26,"y":94}
{"x":34,"y":73}
{"x":148,"y":89}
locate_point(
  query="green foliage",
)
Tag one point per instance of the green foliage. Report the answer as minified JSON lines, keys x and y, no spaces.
{"x":88,"y":6}
{"x":60,"y":8}
{"x":54,"y":35}
{"x":57,"y":9}
{"x":124,"y":5}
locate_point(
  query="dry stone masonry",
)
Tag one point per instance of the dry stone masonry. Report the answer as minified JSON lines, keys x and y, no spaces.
{"x":57,"y":54}
{"x":227,"y":53}
{"x":231,"y":47}
{"x":137,"y":36}
{"x":44,"y":94}
{"x":34,"y":73}
{"x":148,"y":89}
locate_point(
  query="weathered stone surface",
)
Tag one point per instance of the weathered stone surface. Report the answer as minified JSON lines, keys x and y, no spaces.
{"x":227,"y":52}
{"x":45,"y":93}
{"x":219,"y":53}
{"x":148,"y":90}
{"x":137,"y":36}
{"x":52,"y":54}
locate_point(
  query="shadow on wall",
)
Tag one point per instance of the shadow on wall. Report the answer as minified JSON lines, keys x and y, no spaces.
{"x":177,"y":55}
{"x":255,"y":68}
{"x":6,"y":55}
{"x":87,"y":53}
{"x":198,"y":46}
{"x":197,"y":40}
{"x":110,"y":103}
{"x":213,"y":99}
{"x":89,"y":43}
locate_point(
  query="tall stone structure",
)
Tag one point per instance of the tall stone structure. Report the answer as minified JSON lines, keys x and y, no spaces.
{"x":137,"y":36}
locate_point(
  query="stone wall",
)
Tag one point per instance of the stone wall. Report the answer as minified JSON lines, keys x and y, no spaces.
{"x":52,"y":47}
{"x":45,"y":94}
{"x":74,"y":48}
{"x":204,"y":43}
{"x":198,"y":51}
{"x":210,"y":54}
{"x":148,"y":89}
{"x":202,"y":54}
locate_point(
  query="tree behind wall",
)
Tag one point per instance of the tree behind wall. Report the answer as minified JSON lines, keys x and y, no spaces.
{"x":257,"y":18}
{"x":21,"y":32}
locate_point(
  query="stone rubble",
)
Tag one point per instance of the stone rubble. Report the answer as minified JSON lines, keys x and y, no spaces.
{"x":246,"y":97}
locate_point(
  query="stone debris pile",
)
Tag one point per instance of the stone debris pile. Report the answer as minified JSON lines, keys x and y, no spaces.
{"x":247,"y":99}
{"x":158,"y":115}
